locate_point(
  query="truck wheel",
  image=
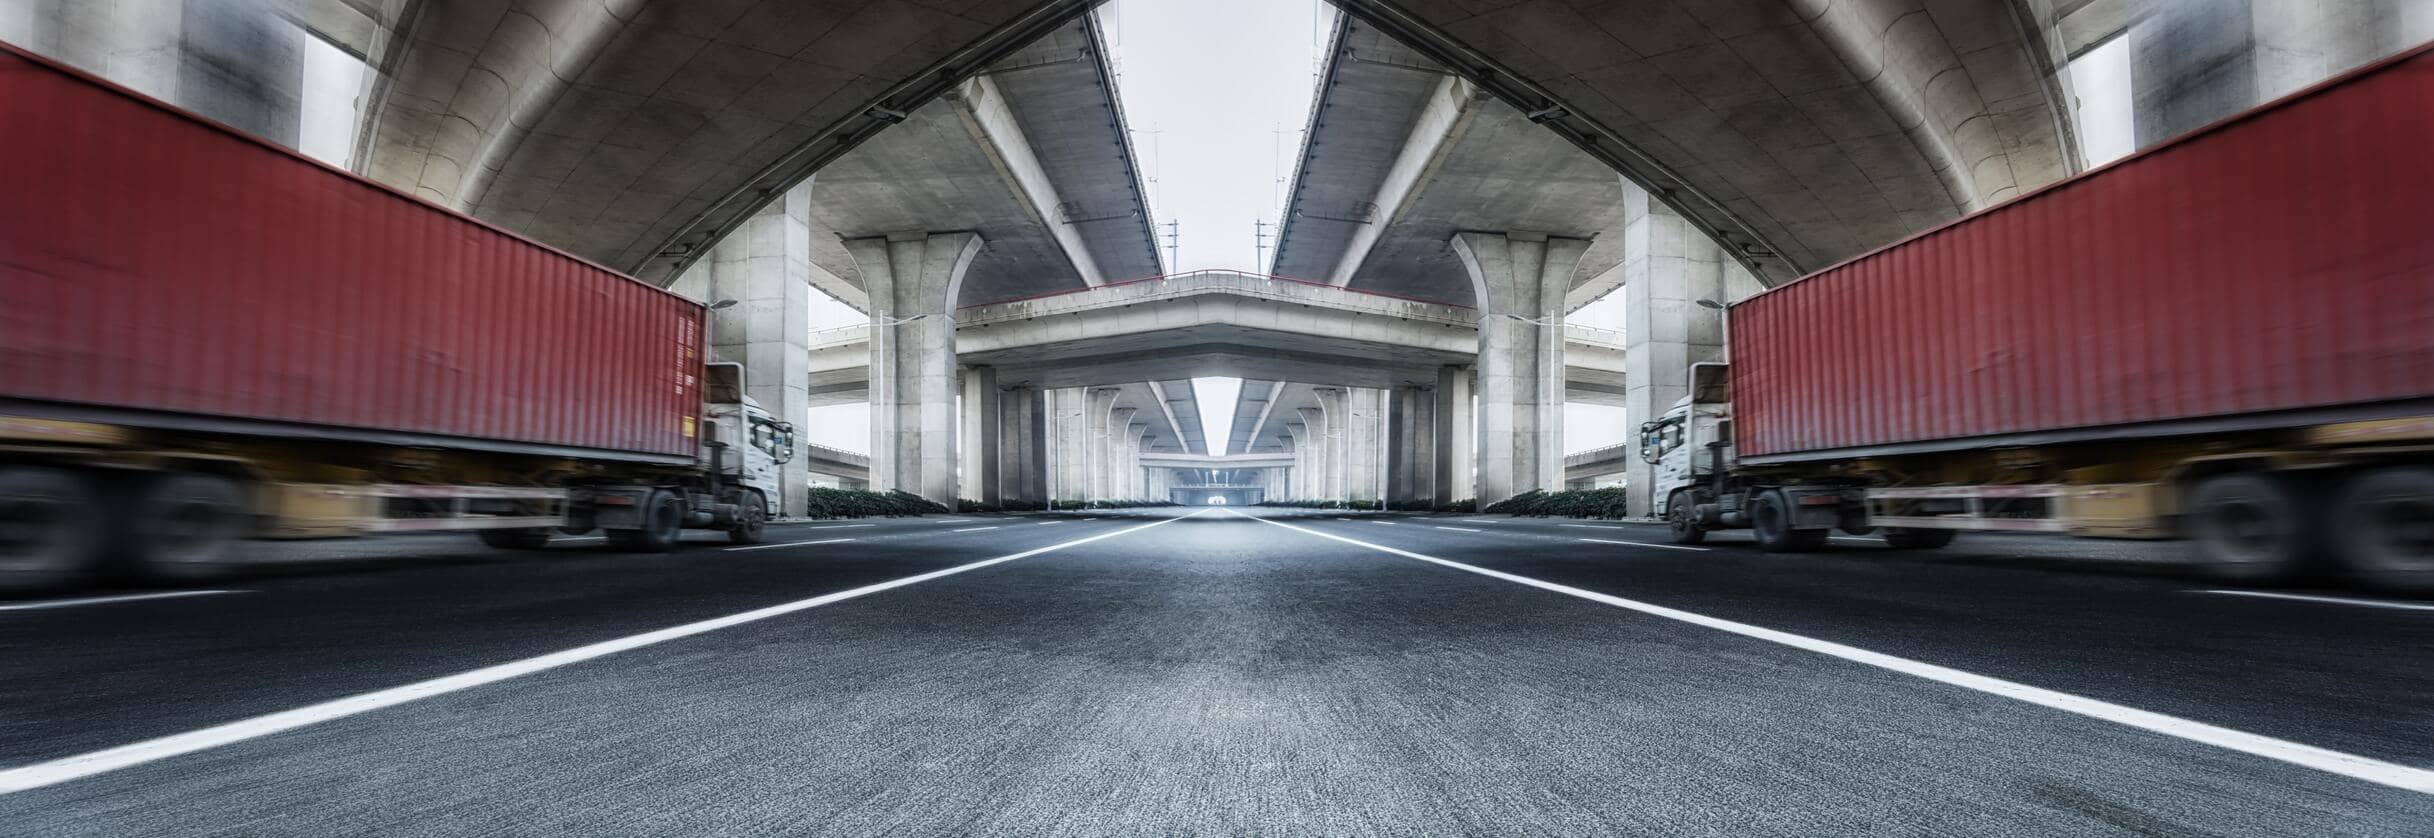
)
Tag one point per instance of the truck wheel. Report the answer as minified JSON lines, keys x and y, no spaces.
{"x":2386,"y":526}
{"x":1906,"y":538}
{"x":663,"y":519}
{"x":2249,"y":527}
{"x":518,"y":538}
{"x":1681,"y":515}
{"x":751,"y":518}
{"x":186,"y":527}
{"x":50,"y":528}
{"x":1770,"y":519}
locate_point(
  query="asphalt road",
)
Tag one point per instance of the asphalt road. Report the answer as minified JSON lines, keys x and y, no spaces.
{"x":1150,"y":673}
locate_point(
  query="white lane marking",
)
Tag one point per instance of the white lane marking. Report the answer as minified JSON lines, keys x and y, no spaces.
{"x":790,"y":544}
{"x":1047,"y":523}
{"x":104,"y":600}
{"x":1480,"y":520}
{"x":1646,"y":544}
{"x":1388,"y":523}
{"x":1592,"y":526}
{"x":80,"y":766}
{"x":841,"y":526}
{"x":1457,"y":529}
{"x":2322,"y":759}
{"x":2330,"y":600}
{"x":975,"y":529}
{"x":950,"y":520}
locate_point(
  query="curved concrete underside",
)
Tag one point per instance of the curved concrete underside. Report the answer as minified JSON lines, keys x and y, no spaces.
{"x":1797,"y":133}
{"x":638,"y":132}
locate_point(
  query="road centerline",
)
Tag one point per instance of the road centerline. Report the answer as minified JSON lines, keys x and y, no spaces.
{"x":2354,"y":766}
{"x":53,"y":772}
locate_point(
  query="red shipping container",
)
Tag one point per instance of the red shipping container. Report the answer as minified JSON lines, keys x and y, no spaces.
{"x":163,"y":269}
{"x":2273,"y":269}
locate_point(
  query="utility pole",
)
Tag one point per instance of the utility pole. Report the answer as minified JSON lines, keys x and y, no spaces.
{"x":1259,"y":246}
{"x":1174,"y":245}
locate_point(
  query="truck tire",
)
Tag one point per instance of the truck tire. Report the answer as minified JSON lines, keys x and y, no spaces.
{"x":1770,"y":519}
{"x":751,"y":518}
{"x":663,"y":516}
{"x":1907,"y":538}
{"x":2250,"y":527}
{"x":1683,"y":518}
{"x":519,"y":538}
{"x":2385,"y":522}
{"x":186,"y":527}
{"x":50,"y":528}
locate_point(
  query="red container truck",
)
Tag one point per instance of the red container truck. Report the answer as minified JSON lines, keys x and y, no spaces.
{"x":204,"y":336}
{"x":2228,"y":337}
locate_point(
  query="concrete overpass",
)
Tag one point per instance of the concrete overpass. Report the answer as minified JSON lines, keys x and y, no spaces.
{"x":1518,"y":159}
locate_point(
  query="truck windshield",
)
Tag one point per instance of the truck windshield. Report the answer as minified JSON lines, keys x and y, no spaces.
{"x":1659,"y":438}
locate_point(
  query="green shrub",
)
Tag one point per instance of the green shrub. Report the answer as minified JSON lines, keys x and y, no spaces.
{"x":1578,"y":503}
{"x":855,"y":503}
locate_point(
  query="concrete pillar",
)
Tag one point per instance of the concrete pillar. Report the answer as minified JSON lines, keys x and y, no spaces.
{"x":1364,"y":434}
{"x":1323,"y":452}
{"x":1068,"y":450}
{"x":1412,"y":446}
{"x":2196,"y":61}
{"x":914,"y":280}
{"x":240,"y":62}
{"x":1107,"y":465}
{"x":1457,"y":467}
{"x":1136,"y":484}
{"x":1022,"y":431}
{"x":1668,"y":266}
{"x":1304,"y":445}
{"x":1519,"y":280}
{"x":765,"y":267}
{"x":981,"y":434}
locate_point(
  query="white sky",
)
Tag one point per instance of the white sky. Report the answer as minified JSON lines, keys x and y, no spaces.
{"x":1206,"y":87}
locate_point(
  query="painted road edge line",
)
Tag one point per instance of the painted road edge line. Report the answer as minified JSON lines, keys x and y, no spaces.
{"x":1455,"y":529}
{"x":2353,"y":766}
{"x":974,"y":529}
{"x":1647,"y":544}
{"x":2328,"y":600}
{"x":80,"y":766}
{"x":39,"y":605}
{"x":789,"y":544}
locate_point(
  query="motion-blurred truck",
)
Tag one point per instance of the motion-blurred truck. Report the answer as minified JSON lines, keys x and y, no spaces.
{"x":2229,"y":338}
{"x":204,"y":337}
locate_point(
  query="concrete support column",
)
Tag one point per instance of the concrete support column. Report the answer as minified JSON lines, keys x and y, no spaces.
{"x":2196,"y":61}
{"x":1456,"y":440}
{"x":1068,"y":454}
{"x":1668,"y":267}
{"x":914,"y":280}
{"x":1319,"y":435}
{"x":240,"y":62}
{"x":1136,"y":484}
{"x":765,"y":267}
{"x":1520,"y":280}
{"x":1107,"y":468}
{"x":1304,"y":445}
{"x":1272,"y":484}
{"x":1364,"y":434}
{"x":980,"y":435}
{"x":1160,"y":483}
{"x":1022,"y":431}
{"x":1412,"y":446}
